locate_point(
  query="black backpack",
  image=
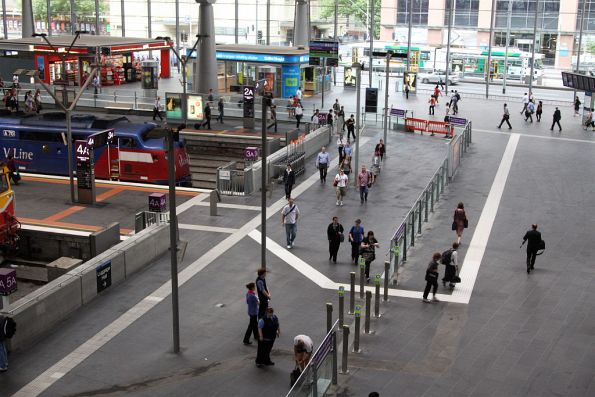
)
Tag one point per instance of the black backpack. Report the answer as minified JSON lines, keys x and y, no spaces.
{"x":446,"y":257}
{"x":8,"y":327}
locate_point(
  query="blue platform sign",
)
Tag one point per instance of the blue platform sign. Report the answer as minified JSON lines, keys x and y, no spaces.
{"x":265,"y":58}
{"x":290,"y":77}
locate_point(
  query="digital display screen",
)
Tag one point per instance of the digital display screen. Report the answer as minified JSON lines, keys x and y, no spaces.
{"x":575,"y":82}
{"x":566,"y":80}
{"x":591,"y":84}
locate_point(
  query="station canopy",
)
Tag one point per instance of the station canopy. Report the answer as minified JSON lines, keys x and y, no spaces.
{"x":84,"y":45}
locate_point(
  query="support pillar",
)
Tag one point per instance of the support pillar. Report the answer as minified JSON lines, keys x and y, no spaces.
{"x":205,"y":73}
{"x":301,"y":27}
{"x":28,"y":26}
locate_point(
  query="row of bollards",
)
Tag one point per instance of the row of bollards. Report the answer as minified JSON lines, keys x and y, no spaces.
{"x":356,"y":310}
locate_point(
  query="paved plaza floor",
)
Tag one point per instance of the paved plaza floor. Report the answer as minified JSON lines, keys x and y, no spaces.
{"x":513,"y":334}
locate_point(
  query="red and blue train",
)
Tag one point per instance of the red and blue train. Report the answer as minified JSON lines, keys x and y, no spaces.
{"x":39,"y":145}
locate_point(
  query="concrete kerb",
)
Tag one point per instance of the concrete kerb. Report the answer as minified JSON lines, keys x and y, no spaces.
{"x":38,"y":312}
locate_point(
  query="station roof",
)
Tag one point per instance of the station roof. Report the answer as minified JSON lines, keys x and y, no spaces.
{"x":85,"y":44}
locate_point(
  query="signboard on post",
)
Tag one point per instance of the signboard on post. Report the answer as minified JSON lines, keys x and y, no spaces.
{"x":251,"y":153}
{"x":326,"y":49}
{"x":157,"y":202}
{"x":8,"y":281}
{"x":457,"y":121}
{"x":85,"y":171}
{"x":398,"y":112}
{"x":248,"y":101}
{"x":104,"y":276}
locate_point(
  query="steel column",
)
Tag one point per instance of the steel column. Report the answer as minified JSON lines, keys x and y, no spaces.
{"x":534,"y":45}
{"x":489,"y":67}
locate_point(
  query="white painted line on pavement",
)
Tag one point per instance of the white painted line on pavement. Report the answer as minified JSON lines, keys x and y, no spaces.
{"x":234,"y":206}
{"x":553,"y":138}
{"x":46,"y":379}
{"x":203,"y":228}
{"x":479,"y":241}
{"x":190,"y":203}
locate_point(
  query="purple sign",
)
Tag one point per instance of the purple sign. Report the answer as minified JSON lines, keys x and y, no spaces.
{"x":322,"y":117}
{"x":398,"y":112}
{"x":251,"y":153}
{"x":8,"y":281}
{"x":457,"y":120}
{"x":157,"y":202}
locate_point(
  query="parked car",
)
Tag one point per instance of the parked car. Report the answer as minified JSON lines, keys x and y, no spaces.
{"x":434,"y":78}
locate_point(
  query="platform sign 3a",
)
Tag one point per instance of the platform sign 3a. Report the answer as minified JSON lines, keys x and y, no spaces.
{"x":251,"y":153}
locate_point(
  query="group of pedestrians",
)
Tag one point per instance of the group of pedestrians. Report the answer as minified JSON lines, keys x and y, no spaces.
{"x":32,"y":100}
{"x":532,"y":106}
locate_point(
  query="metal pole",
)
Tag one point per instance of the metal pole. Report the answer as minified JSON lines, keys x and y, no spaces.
{"x":123,"y":17}
{"x":237,"y":18}
{"x":263,"y":187}
{"x":345,"y":355}
{"x":352,"y":292}
{"x":580,"y":41}
{"x":450,"y":15}
{"x":489,"y":67}
{"x":149,"y":27}
{"x":388,"y":56}
{"x":534,"y":45}
{"x":409,"y":30}
{"x":334,"y":376}
{"x":173,"y":241}
{"x":358,"y":86}
{"x":178,"y":32}
{"x":268,"y":22}
{"x":69,"y":137}
{"x":386,"y":276}
{"x":323,"y":79}
{"x":368,"y":312}
{"x":256,"y":24}
{"x":341,"y":306}
{"x":97,"y":17}
{"x":371,"y":40}
{"x":336,"y":32}
{"x":5,"y":22}
{"x":49,"y":15}
{"x":362,"y":276}
{"x":329,"y":317}
{"x":377,"y":296}
{"x":508,"y":18}
{"x":358,"y":314}
{"x":73,"y":27}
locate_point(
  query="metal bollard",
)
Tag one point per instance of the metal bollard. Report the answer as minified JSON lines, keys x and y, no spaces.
{"x":213,"y":203}
{"x":329,"y":317}
{"x":345,"y":356}
{"x":368,"y":312}
{"x":358,"y":313}
{"x":341,"y":306}
{"x":377,"y":296}
{"x":135,"y":101}
{"x":352,"y":293}
{"x":419,"y":217}
{"x":362,"y":276}
{"x":386,"y":270}
{"x":426,"y":206}
{"x":432,"y":197}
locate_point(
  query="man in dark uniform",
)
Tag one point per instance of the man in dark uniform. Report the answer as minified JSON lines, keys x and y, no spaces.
{"x":268,"y":331}
{"x":207,"y":116}
{"x":533,"y":245}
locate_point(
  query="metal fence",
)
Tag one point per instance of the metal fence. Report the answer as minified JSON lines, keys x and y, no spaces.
{"x":232,"y":181}
{"x":321,"y":371}
{"x":411,"y":226}
{"x":144,"y":219}
{"x":295,"y":154}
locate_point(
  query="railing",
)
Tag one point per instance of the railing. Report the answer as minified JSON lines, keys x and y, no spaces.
{"x":234,"y":182}
{"x":145,"y":219}
{"x":321,"y":371}
{"x":411,"y":226}
{"x":295,"y":155}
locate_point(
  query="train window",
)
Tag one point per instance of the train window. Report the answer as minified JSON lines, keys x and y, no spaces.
{"x":127,"y":143}
{"x":40,"y":136}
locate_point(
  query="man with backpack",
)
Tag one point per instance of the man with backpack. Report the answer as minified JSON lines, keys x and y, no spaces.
{"x":450,"y":259}
{"x":8,"y":328}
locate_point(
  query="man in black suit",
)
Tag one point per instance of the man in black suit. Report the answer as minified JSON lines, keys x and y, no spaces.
{"x":534,"y":242}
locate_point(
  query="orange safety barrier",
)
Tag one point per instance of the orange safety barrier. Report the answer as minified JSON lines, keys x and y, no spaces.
{"x":440,"y":127}
{"x":413,"y":125}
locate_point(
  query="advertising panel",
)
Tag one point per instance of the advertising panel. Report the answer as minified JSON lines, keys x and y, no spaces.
{"x":195,"y":108}
{"x":290,"y":74}
{"x":411,"y":79}
{"x":173,"y":106}
{"x":349,"y":77}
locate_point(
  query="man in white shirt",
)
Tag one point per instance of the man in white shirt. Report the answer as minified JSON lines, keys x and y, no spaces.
{"x":289,"y":216}
{"x":156,"y":108}
{"x":299,"y":94}
{"x":341,"y":183}
{"x":322,"y":162}
{"x":525,"y":102}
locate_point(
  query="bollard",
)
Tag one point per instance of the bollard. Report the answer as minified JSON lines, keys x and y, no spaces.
{"x":426,"y":206}
{"x":362,"y":276}
{"x":329,"y":317}
{"x":432,"y":197}
{"x":358,"y":313}
{"x":368,"y":312}
{"x":386,"y":270}
{"x":213,"y":202}
{"x":345,"y":356}
{"x":377,"y":296}
{"x":352,"y":294}
{"x":341,"y":306}
{"x":419,"y":217}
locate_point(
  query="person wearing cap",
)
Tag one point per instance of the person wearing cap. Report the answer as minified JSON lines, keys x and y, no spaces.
{"x":268,"y":331}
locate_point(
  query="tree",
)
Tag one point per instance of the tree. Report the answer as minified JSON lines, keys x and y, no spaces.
{"x":359,"y":9}
{"x":84,"y":8}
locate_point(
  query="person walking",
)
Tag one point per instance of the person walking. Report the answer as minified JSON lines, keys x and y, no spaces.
{"x":330,"y":120}
{"x":288,"y":180}
{"x":299,"y":113}
{"x":437,"y":93}
{"x":356,"y":236}
{"x":207,"y":115}
{"x":37,"y":101}
{"x":262,"y":291}
{"x":525,"y":101}
{"x":533,"y":240}
{"x":432,"y":103}
{"x":289,"y":217}
{"x":268,"y":331}
{"x":350,"y":127}
{"x":334,"y":233}
{"x":336,"y":105}
{"x":340,"y":184}
{"x":7,"y":331}
{"x":368,"y":251}
{"x":314,"y":119}
{"x":273,"y":114}
{"x":539,"y":111}
{"x":432,"y":278}
{"x":252,"y":302}
{"x":450,"y":260}
{"x":96,"y":84}
{"x":459,"y":222}
{"x":365,"y":180}
{"x":348,"y":150}
{"x":380,"y":149}
{"x":221,"y":109}
{"x":13,"y":173}
{"x":157,"y":108}
{"x":505,"y":118}
{"x":341,"y":147}
{"x":407,"y":90}
{"x":346,"y":165}
{"x":299,"y":95}
{"x":557,"y":118}
{"x":341,"y":119}
{"x":529,"y":112}
{"x":29,"y":102}
{"x":577,"y":105}
{"x":322,"y":162}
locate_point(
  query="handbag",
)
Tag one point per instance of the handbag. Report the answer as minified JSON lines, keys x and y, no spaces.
{"x":335,"y":183}
{"x":455,"y":279}
{"x":454,"y":226}
{"x":341,"y":237}
{"x":294,"y":376}
{"x":466,"y":223}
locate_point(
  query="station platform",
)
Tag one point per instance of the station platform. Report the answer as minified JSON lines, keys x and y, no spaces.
{"x":501,"y":332}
